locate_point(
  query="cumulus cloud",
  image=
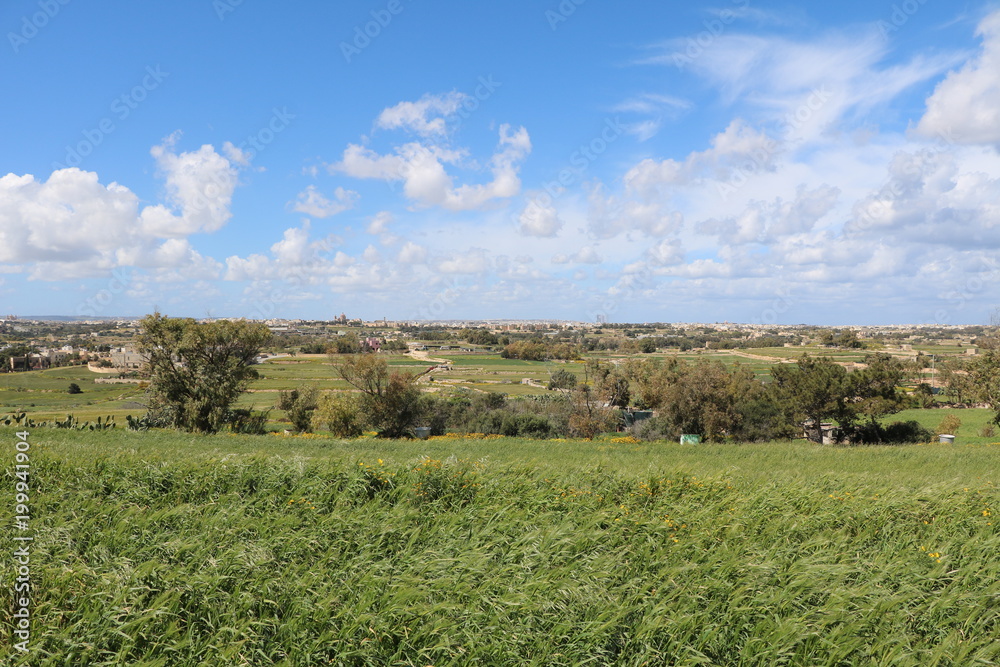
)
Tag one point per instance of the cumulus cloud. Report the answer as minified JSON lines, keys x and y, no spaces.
{"x":609,"y":215}
{"x":411,"y":253}
{"x":380,"y":222}
{"x":312,"y":202}
{"x":422,"y":166}
{"x":965,"y":107}
{"x":735,"y":147}
{"x":72,"y":225}
{"x":585,"y":255}
{"x":763,"y":222}
{"x":199,"y":188}
{"x":539,"y":220}
{"x":473,"y":260}
{"x":427,"y":116}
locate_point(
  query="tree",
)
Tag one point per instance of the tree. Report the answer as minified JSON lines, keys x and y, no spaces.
{"x":390,"y":401}
{"x":589,"y":415}
{"x":198,"y":370}
{"x":813,"y":390}
{"x":562,"y":379}
{"x":347,"y":344}
{"x":984,"y":373}
{"x":874,"y":389}
{"x":957,"y":380}
{"x":299,"y":405}
{"x":340,"y":413}
{"x":74,"y":388}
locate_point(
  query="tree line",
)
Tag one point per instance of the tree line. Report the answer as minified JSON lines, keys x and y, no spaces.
{"x":198,"y":370}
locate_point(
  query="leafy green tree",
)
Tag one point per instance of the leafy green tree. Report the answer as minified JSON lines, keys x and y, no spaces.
{"x":957,"y":379}
{"x":984,"y":373}
{"x":478,"y":336}
{"x":814,"y":389}
{"x":562,"y":379}
{"x":874,"y":390}
{"x":74,"y":388}
{"x":198,"y":370}
{"x":349,"y":343}
{"x":299,"y":405}
{"x":340,"y":413}
{"x":390,"y":401}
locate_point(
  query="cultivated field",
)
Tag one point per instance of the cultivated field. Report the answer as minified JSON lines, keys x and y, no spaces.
{"x":161,"y":548}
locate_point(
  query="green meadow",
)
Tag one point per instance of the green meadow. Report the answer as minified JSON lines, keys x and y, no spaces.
{"x":163,"y":548}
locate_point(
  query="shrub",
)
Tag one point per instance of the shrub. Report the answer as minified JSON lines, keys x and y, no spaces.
{"x":299,"y":405}
{"x":896,"y":433}
{"x":247,"y":422}
{"x":949,"y":425}
{"x":340,"y":413}
{"x":562,"y":379}
{"x":74,"y":388}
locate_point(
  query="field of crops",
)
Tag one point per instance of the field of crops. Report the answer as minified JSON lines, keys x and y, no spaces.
{"x":167,"y":549}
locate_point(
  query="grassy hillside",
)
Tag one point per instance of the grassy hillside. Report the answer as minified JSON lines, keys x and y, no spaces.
{"x":169,"y":549}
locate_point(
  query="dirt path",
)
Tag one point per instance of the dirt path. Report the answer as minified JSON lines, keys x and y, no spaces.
{"x":761,"y":357}
{"x":423,"y":355}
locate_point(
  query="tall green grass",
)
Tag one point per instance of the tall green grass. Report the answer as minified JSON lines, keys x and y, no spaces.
{"x":168,"y":549}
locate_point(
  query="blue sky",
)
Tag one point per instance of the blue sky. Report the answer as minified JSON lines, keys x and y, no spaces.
{"x":741,"y":160}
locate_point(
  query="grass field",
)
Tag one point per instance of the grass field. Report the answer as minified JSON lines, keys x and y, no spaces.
{"x":167,"y":549}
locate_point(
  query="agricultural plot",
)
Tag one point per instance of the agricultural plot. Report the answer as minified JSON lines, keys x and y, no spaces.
{"x":44,"y":394}
{"x":231,"y":550}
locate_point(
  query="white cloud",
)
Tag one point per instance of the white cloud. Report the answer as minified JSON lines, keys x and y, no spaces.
{"x":806,"y":87}
{"x":585,"y":255}
{"x":763,"y":222}
{"x":411,"y":253}
{"x":426,"y":182}
{"x":539,"y":220}
{"x":609,"y":215}
{"x":471,"y":261}
{"x":380,"y":223}
{"x":733,"y":148}
{"x":198,"y":183}
{"x":312,"y":202}
{"x":653,"y":110}
{"x":427,"y":116}
{"x":965,"y":107}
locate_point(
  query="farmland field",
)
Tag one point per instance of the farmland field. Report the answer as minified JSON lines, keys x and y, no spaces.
{"x":166,"y":549}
